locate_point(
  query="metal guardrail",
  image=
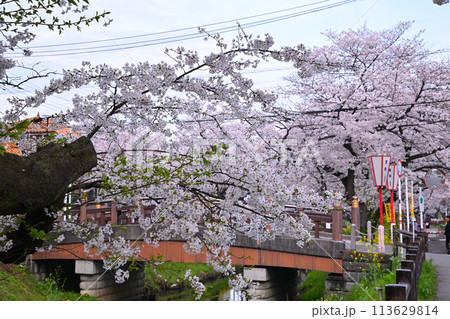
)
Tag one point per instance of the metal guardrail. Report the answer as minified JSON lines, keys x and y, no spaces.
{"x":407,"y":277}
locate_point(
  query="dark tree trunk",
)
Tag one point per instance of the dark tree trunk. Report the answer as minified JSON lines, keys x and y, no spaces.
{"x":29,"y":186}
{"x":349,"y":184}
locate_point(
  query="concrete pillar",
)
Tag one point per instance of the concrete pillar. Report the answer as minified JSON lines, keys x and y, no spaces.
{"x":100,"y":283}
{"x":273,"y":283}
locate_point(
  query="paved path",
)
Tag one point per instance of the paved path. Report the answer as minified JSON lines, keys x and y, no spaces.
{"x":442,"y":261}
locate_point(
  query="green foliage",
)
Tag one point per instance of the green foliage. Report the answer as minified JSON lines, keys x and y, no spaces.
{"x":427,"y":281}
{"x":43,"y":13}
{"x":346,"y":228}
{"x":313,"y":287}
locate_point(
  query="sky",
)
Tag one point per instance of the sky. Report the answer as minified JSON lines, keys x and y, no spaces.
{"x":142,"y":29}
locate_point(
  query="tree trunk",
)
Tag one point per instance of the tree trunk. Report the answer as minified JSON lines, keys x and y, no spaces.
{"x":349,"y":184}
{"x":34,"y":185}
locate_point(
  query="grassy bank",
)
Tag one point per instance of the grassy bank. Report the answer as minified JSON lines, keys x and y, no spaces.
{"x":16,"y":284}
{"x":165,"y":281}
{"x":313,"y":287}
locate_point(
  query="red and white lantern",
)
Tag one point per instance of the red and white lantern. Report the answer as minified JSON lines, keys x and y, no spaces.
{"x":392,"y":179}
{"x":379,"y":169}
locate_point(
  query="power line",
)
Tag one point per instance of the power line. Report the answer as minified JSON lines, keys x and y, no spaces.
{"x":184,"y":37}
{"x":180,"y":29}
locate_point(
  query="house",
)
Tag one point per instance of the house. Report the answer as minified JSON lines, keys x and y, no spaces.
{"x":38,"y":128}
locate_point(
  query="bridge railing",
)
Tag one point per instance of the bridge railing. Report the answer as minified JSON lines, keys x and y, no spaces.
{"x":407,"y":277}
{"x":108,"y":212}
{"x":323,"y":221}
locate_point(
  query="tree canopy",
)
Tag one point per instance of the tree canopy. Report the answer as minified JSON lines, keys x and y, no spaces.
{"x":193,"y":137}
{"x":371,"y":93}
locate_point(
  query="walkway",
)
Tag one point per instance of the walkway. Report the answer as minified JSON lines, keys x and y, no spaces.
{"x":442,"y":261}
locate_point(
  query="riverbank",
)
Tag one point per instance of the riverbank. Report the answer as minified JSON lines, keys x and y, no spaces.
{"x":16,"y":284}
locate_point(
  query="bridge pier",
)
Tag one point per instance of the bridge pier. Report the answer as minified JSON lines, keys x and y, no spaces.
{"x":38,"y":269}
{"x":273,"y":283}
{"x":89,"y":277}
{"x":97,"y":282}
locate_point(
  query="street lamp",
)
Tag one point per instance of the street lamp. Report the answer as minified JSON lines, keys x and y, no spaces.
{"x":379,"y":168}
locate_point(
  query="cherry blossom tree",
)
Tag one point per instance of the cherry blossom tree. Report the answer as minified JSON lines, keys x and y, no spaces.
{"x":209,"y":151}
{"x":370,"y":93}
{"x":193,"y":137}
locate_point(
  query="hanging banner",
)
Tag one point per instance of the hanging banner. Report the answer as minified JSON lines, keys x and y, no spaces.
{"x":387,"y":208}
{"x":412,"y":204}
{"x":393,"y":213}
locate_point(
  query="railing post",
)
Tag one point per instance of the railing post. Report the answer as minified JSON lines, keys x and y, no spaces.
{"x":355,"y":213}
{"x":394,"y":292}
{"x":336,"y":217}
{"x":411,"y":268}
{"x":102,"y":219}
{"x":353,"y":237}
{"x":405,"y":277}
{"x":316,"y":229}
{"x":113,"y":213}
{"x":369,"y":232}
{"x":83,"y":213}
{"x":402,"y":290}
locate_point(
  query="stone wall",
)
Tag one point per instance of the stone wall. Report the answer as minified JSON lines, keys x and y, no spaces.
{"x":356,"y":265}
{"x":97,"y":282}
{"x":273,"y":283}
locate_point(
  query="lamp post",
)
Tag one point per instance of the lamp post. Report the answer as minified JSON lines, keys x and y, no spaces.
{"x":392,"y":184}
{"x":379,"y":167}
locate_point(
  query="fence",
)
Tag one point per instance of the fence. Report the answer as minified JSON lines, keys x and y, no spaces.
{"x":407,"y":278}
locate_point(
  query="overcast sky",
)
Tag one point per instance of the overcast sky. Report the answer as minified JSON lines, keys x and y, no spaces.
{"x":289,"y":22}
